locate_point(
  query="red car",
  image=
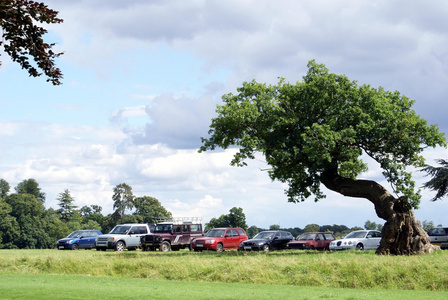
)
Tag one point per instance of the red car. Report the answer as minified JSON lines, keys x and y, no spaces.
{"x":220,"y":239}
{"x":312,"y":240}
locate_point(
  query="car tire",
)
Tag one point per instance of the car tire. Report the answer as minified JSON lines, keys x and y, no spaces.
{"x":75,"y":247}
{"x":312,"y":248}
{"x":119,"y":246}
{"x":360,"y":247}
{"x":265,"y":247}
{"x":165,"y":246}
{"x":219,"y":248}
{"x":98,"y":249}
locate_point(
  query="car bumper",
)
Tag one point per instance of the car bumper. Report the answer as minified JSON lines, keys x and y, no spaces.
{"x":204,"y":247}
{"x":251,"y":248}
{"x":64,"y":246}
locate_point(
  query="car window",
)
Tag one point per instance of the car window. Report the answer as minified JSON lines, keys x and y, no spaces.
{"x":232,"y":232}
{"x":93,"y":233}
{"x":141,"y":230}
{"x":329,"y":236}
{"x":184,"y":228}
{"x":242,"y":233}
{"x":195,"y":227}
{"x":307,"y":237}
{"x":215,"y":233}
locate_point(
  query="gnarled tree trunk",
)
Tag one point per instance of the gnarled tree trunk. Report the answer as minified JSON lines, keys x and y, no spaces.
{"x":402,"y":233}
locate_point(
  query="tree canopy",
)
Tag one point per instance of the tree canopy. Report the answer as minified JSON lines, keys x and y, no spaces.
{"x":22,"y":39}
{"x":439,"y":180}
{"x":316,"y":131}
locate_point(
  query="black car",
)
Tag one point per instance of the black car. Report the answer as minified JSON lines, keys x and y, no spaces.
{"x":267,"y":240}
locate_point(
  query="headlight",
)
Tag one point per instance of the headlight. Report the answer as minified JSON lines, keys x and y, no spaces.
{"x":350,"y":242}
{"x":69,"y":241}
{"x":260,"y":243}
{"x":210,"y":241}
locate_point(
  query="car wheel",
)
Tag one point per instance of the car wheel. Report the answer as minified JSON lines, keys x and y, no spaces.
{"x":312,"y":248}
{"x":219,"y":248}
{"x":119,"y":246}
{"x":165,"y":246}
{"x":360,"y":247}
{"x":98,"y":249}
{"x":265,"y":247}
{"x":75,"y":247}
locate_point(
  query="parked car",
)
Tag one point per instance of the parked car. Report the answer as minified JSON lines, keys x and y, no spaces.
{"x":172,"y":234}
{"x":312,"y":241}
{"x":123,"y":236}
{"x":80,"y":239}
{"x":267,"y":240}
{"x":219,"y":239}
{"x":360,"y":240}
{"x":439,"y":236}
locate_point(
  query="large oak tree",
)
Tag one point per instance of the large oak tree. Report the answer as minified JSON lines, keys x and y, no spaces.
{"x":316,"y":131}
{"x":22,"y":38}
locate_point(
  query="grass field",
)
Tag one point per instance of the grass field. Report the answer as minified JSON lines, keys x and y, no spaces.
{"x":84,"y":274}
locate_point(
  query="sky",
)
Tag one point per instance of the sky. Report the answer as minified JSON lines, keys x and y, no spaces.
{"x":142,"y":80}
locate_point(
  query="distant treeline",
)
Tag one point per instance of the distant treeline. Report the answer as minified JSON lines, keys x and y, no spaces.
{"x":25,"y":223}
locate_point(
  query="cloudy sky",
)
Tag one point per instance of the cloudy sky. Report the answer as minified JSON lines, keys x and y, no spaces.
{"x":142,"y":80}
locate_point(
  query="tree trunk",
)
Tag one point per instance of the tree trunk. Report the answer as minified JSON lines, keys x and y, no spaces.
{"x":402,"y":233}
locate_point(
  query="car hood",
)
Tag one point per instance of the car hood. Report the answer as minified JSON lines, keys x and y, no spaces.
{"x":205,"y":238}
{"x":256,"y":241}
{"x":67,"y":239}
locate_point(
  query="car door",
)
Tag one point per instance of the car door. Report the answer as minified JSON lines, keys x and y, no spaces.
{"x":85,"y":240}
{"x":134,"y":235}
{"x":320,"y":241}
{"x":372,"y":241}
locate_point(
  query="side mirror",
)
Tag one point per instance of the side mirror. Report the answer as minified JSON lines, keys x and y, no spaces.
{"x":226,"y":236}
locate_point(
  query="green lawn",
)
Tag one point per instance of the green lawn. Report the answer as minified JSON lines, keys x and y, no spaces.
{"x":21,"y":286}
{"x":53,"y":274}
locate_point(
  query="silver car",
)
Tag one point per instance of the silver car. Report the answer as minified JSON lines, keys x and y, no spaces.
{"x":359,"y":240}
{"x":439,"y":236}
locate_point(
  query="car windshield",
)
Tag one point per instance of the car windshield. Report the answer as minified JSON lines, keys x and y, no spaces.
{"x":74,"y":234}
{"x":356,"y":235}
{"x":215,"y":233}
{"x":120,"y":229}
{"x":264,"y":235}
{"x":307,"y":236}
{"x":163,"y":228}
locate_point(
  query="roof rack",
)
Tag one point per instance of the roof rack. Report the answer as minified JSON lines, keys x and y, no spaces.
{"x":179,"y":220}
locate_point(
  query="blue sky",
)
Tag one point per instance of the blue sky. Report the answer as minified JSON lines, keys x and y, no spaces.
{"x":142,"y":80}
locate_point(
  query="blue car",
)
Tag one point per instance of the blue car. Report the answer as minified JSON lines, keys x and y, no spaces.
{"x":80,"y":239}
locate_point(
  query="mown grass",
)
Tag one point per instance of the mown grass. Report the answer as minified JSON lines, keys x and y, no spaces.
{"x":39,"y":286}
{"x":351,"y":269}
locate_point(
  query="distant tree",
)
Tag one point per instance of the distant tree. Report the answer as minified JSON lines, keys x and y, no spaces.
{"x":30,"y":186}
{"x":23,"y":39}
{"x":4,"y":188}
{"x":427,"y":225}
{"x":29,"y":213}
{"x":123,"y":199}
{"x":92,"y":213}
{"x":274,"y":227}
{"x":439,"y":181}
{"x":235,"y":218}
{"x":372,"y":226}
{"x":150,"y":209}
{"x":312,"y":228}
{"x":9,"y":228}
{"x":67,"y":208}
{"x":252,"y":231}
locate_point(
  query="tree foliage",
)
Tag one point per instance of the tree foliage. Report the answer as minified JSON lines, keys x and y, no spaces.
{"x":439,"y":180}
{"x":123,"y":199}
{"x":67,"y":208}
{"x":235,"y":218}
{"x":30,"y":186}
{"x":22,"y":39}
{"x":315,"y":132}
{"x":150,"y":209}
{"x":323,"y":124}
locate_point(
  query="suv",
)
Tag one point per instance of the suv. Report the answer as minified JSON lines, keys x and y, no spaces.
{"x":172,"y":234}
{"x":439,"y":236}
{"x":267,"y":240}
{"x":125,"y":236}
{"x":220,"y":239}
{"x":79,"y":239}
{"x":312,"y":241}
